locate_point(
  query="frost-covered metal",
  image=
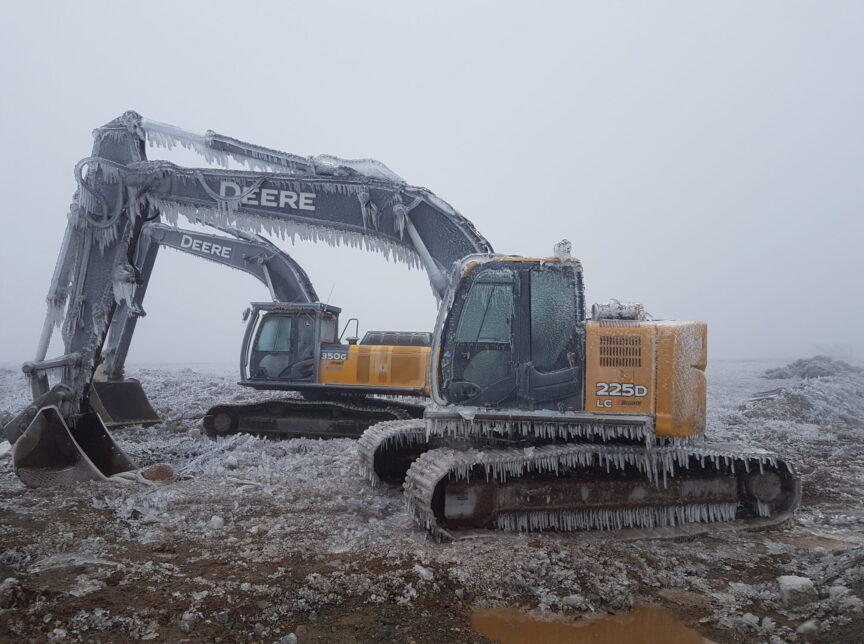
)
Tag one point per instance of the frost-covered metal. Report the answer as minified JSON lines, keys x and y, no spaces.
{"x":101,"y":268}
{"x":513,"y":441}
{"x":253,"y":254}
{"x":641,"y":467}
{"x":391,"y":436}
{"x":323,"y":198}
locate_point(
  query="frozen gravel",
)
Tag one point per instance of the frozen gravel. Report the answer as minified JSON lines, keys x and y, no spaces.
{"x":256,"y":537}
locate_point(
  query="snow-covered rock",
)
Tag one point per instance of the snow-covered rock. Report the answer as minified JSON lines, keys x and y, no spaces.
{"x":795,"y":590}
{"x":574,"y":601}
{"x":810,"y":627}
{"x":424,"y":573}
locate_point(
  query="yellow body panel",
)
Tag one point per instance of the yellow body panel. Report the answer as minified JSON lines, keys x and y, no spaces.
{"x":649,"y":368}
{"x":378,"y":366}
{"x":619,"y":368}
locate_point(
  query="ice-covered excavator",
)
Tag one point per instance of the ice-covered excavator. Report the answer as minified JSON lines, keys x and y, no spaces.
{"x":121,"y":401}
{"x":102,"y":265}
{"x":544,"y":419}
{"x":291,"y":344}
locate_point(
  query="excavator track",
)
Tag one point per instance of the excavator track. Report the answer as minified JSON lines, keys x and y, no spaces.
{"x":386,"y":450}
{"x":660,"y":490}
{"x":297,"y":418}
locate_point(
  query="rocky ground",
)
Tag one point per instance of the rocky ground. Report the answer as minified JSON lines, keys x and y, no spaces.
{"x":268,"y":541}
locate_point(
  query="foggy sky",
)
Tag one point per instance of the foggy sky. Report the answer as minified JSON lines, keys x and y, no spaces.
{"x":704,"y":158}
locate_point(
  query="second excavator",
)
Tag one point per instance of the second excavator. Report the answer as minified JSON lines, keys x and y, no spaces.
{"x":291,"y":344}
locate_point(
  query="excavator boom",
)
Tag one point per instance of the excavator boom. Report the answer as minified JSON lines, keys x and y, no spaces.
{"x":121,"y":401}
{"x":103,"y":267}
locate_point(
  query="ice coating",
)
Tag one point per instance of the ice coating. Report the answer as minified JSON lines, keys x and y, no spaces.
{"x":290,"y":230}
{"x":360,"y":203}
{"x":391,"y":433}
{"x":218,"y":149}
{"x":657,"y":464}
{"x":617,"y":519}
{"x":545,"y":427}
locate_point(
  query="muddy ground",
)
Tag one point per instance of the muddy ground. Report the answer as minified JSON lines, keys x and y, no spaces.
{"x":255,"y":540}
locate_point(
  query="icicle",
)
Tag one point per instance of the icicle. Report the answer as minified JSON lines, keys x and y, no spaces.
{"x":123,"y":283}
{"x":465,"y":427}
{"x":231,"y":217}
{"x":616,"y":518}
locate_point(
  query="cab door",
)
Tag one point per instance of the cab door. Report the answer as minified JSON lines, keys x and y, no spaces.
{"x":284,"y":348}
{"x":514,"y":337}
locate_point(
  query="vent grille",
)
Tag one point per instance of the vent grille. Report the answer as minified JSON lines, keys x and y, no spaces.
{"x":620,"y":351}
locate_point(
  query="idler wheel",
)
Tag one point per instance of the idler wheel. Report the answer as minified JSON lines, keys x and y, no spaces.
{"x":764,"y":487}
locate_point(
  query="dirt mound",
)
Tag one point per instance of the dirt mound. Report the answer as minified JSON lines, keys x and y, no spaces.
{"x":828,"y":400}
{"x":815,"y":367}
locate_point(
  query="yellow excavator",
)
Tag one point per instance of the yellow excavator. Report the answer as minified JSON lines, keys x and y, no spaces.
{"x":541,"y":417}
{"x":291,"y":344}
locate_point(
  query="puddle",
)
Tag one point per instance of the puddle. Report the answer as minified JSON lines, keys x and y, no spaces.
{"x":813,"y":539}
{"x":644,"y":625}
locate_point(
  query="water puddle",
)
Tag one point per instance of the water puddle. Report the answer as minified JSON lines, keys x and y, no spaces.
{"x":644,"y":625}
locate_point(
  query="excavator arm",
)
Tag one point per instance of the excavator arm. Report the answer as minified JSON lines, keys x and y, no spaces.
{"x":284,"y":278}
{"x":121,"y":401}
{"x":102,"y":264}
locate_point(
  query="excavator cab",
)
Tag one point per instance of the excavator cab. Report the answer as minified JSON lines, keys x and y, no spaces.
{"x":284,"y":341}
{"x":513,"y":336}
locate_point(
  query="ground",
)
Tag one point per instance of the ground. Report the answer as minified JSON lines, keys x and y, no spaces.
{"x":255,"y":539}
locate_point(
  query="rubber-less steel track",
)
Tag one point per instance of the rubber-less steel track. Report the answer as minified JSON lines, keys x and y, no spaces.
{"x":386,"y":450}
{"x":588,"y":486}
{"x":297,"y":418}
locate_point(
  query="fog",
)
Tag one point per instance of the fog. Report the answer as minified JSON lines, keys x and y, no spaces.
{"x":705,"y":159}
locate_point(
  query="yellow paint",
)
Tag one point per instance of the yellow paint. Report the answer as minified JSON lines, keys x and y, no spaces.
{"x":682,"y":355}
{"x":619,"y":354}
{"x":667,"y":358}
{"x":378,"y":366}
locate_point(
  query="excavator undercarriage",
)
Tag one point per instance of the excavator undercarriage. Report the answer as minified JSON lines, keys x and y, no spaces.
{"x":294,"y":417}
{"x":598,"y":487}
{"x":456,"y":486}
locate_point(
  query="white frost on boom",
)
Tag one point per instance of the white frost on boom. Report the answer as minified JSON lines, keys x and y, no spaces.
{"x":291,"y":230}
{"x":256,"y":157}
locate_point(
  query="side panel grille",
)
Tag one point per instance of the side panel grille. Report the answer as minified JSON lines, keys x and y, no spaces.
{"x":621,"y":351}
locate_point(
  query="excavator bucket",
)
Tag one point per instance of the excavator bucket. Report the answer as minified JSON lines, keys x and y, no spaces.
{"x":49,"y":452}
{"x":121,"y":403}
